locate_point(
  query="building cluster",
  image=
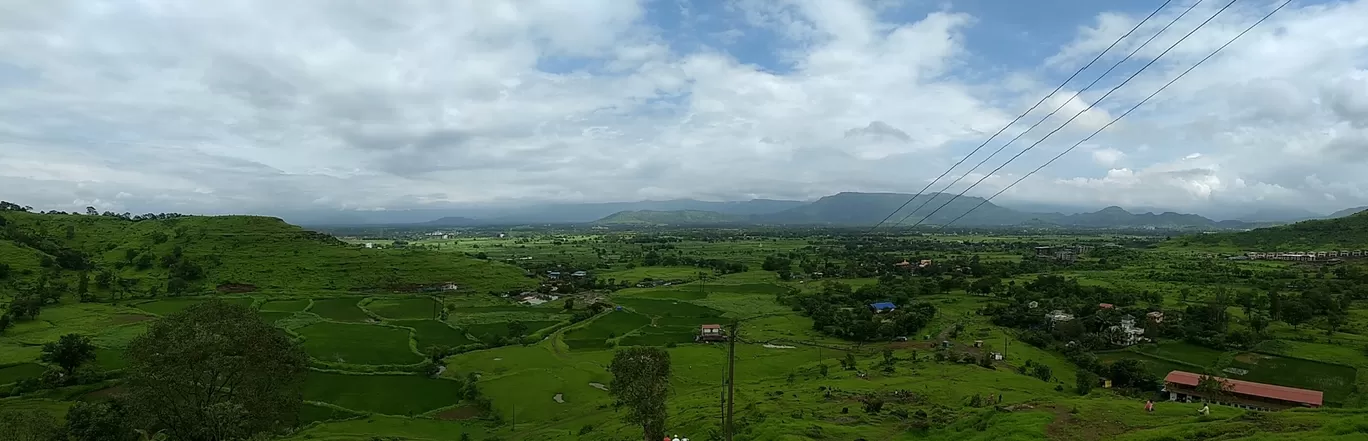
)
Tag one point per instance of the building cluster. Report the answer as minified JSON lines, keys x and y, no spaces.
{"x":1064,"y":253}
{"x":1306,"y":256}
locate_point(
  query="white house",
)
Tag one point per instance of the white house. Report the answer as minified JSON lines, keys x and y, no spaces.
{"x":370,"y":245}
{"x":1126,"y":333}
{"x":1059,"y":316}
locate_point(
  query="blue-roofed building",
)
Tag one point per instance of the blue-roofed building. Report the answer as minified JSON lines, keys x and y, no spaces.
{"x":882,"y":307}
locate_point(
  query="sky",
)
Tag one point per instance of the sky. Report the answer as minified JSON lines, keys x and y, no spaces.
{"x":259,"y":106}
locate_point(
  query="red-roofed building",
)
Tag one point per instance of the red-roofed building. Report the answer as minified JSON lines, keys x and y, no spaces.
{"x":709,"y":333}
{"x":1245,"y":394}
{"x":1106,"y":305}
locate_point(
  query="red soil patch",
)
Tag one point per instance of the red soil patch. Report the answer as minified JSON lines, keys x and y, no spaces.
{"x":236,"y":288}
{"x":123,"y":319}
{"x":460,"y":413}
{"x":104,"y":394}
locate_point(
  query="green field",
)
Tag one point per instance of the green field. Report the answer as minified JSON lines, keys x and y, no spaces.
{"x":365,"y":328}
{"x":341,"y":309}
{"x":358,"y":343}
{"x":405,"y":308}
{"x":500,"y":330}
{"x":286,"y":305}
{"x":171,"y":306}
{"x":385,"y":394}
{"x":614,"y":324}
{"x":433,"y":332}
{"x":14,"y":373}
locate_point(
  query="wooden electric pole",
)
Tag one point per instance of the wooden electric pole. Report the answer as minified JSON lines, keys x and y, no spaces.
{"x":731,"y":379}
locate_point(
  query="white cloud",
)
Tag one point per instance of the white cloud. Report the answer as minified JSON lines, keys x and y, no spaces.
{"x":254,"y":105}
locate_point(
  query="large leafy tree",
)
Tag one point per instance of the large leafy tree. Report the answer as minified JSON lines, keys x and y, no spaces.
{"x":69,"y":352}
{"x":215,"y":371}
{"x":92,"y":421}
{"x":641,"y":382}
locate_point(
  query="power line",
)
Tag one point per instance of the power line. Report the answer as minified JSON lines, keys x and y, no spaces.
{"x":1076,"y":115}
{"x":1128,"y":111}
{"x":1057,"y":109}
{"x":1019,"y":117}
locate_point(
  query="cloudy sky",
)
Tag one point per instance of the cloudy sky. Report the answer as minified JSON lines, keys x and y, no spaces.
{"x":251,"y":106}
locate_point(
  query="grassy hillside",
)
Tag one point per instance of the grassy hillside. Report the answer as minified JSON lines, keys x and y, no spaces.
{"x":1345,"y":233}
{"x":674,"y":217}
{"x":248,"y":250}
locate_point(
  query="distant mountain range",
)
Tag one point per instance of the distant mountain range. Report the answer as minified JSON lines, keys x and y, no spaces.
{"x":847,"y":208}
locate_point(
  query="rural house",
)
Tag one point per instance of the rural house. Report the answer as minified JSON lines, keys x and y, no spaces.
{"x":707,"y":333}
{"x":1127,"y":333}
{"x":1243,"y":394}
{"x":882,"y":307}
{"x":1059,"y":316}
{"x":579,"y":274}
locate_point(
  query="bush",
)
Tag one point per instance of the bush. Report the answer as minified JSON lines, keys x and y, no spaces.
{"x":1042,"y":372}
{"x":1086,"y":382}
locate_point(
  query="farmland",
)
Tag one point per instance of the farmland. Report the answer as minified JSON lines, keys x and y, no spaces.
{"x":542,"y":367}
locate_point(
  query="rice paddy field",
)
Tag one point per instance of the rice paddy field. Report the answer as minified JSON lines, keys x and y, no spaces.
{"x":366,"y":350}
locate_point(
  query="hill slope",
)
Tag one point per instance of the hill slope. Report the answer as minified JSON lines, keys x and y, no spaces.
{"x":261,"y":251}
{"x":1345,"y":233}
{"x":675,"y":217}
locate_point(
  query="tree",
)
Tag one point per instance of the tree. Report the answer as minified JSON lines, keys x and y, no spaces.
{"x":569,"y":304}
{"x":1085,"y":382}
{"x":641,"y":382}
{"x":91,"y":211}
{"x":29,"y":425}
{"x":517,"y":329}
{"x":87,"y":421}
{"x":215,"y":371}
{"x":1295,"y":312}
{"x":69,"y":352}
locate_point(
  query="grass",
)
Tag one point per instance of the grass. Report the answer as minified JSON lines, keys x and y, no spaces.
{"x":341,"y":309}
{"x":404,"y":308}
{"x":433,"y":332}
{"x":274,"y":316}
{"x":264,"y":252}
{"x":286,"y":305}
{"x":666,"y":308}
{"x":110,"y":359}
{"x":385,"y":394}
{"x":358,"y":343}
{"x":615,"y":324}
{"x":312,"y":412}
{"x":500,"y":330}
{"x":171,"y":306}
{"x":14,"y":373}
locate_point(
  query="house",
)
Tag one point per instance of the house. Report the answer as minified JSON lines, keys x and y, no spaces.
{"x":882,"y":307}
{"x":1244,"y":394}
{"x":1127,"y":333}
{"x":579,"y":274}
{"x":370,"y":245}
{"x":1156,"y":316}
{"x":1106,"y":305}
{"x":904,"y":264}
{"x":449,"y":286}
{"x":924,"y":263}
{"x":553,"y":274}
{"x":1059,"y":316}
{"x":709,"y":333}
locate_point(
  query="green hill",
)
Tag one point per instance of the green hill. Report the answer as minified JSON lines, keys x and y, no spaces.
{"x":1345,"y":233}
{"x":671,"y":217}
{"x":217,"y":252}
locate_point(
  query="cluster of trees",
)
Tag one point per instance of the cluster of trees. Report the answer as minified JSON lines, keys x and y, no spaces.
{"x":839,"y":311}
{"x":211,"y":372}
{"x":91,"y":211}
{"x":656,"y":258}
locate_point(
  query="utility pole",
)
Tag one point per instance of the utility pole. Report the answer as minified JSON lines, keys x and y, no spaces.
{"x":731,"y":379}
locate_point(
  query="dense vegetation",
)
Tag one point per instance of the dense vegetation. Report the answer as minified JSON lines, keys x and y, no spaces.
{"x":1345,"y":233}
{"x":968,"y":352}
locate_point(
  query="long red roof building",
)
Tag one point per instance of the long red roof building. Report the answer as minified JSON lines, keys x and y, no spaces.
{"x":1247,"y":393}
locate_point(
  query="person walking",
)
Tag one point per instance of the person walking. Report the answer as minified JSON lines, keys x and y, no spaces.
{"x":1149,"y":406}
